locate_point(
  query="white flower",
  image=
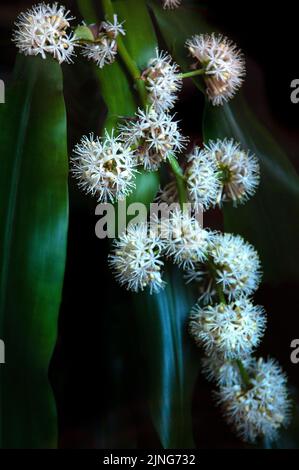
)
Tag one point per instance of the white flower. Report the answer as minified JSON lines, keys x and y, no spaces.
{"x":136,"y":259}
{"x":171,"y":4}
{"x":223,"y":372}
{"x":43,"y":30}
{"x":114,"y":28}
{"x":104,"y":50}
{"x":188,"y":242}
{"x":202,"y":179}
{"x":231,"y":330}
{"x":238,"y":170}
{"x":104,"y":167}
{"x":155,"y":137}
{"x":234,"y":267}
{"x":162,"y":81}
{"x":261,"y":409}
{"x":222,"y":62}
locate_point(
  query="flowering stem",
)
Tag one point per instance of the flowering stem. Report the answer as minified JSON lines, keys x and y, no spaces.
{"x":180,"y":179}
{"x":127,"y":59}
{"x":194,"y":73}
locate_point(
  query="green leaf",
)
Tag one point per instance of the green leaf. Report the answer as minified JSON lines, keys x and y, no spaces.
{"x":34,"y":218}
{"x":172,"y":361}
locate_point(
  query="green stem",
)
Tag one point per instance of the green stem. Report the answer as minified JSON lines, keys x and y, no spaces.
{"x":194,"y":73}
{"x":127,"y":59}
{"x":220,"y":293}
{"x":243,"y":373}
{"x":180,"y":180}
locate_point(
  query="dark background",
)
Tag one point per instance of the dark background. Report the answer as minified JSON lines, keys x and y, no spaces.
{"x":96,"y":373}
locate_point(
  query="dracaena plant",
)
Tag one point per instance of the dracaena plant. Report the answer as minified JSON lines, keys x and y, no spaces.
{"x":224,"y":268}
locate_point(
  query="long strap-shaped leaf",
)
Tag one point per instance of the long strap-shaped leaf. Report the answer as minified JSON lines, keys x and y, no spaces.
{"x":171,"y":358}
{"x":33,"y":217}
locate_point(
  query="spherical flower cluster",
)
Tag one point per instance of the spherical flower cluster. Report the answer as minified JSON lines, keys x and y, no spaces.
{"x":230,"y":330}
{"x":104,"y":167}
{"x":203,"y":182}
{"x":136,"y":259}
{"x":238,"y":170}
{"x":238,"y":267}
{"x":223,"y":65}
{"x":155,"y":136}
{"x":42,"y":30}
{"x":222,"y":171}
{"x":234,"y":267}
{"x":261,"y":408}
{"x":162,"y":80}
{"x":188,"y":242}
{"x":171,"y":4}
{"x":104,"y":50}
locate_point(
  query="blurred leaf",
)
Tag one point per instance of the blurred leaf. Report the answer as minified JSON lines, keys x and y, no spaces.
{"x":34,"y":219}
{"x":270,"y":220}
{"x":172,"y":361}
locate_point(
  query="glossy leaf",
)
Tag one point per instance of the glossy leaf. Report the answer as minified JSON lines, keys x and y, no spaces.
{"x":172,"y":361}
{"x":33,"y":215}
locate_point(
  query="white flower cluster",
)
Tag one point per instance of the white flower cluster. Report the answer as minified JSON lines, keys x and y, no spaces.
{"x":137,"y":254}
{"x":104,"y":50}
{"x":230,"y":330}
{"x":263,"y":407}
{"x":221,"y":171}
{"x":188,"y":242}
{"x":154,"y":135}
{"x":162,"y":81}
{"x":104,"y":167}
{"x":253,"y":393}
{"x":42,"y":30}
{"x":234,"y":267}
{"x":136,"y":259}
{"x":222,"y":63}
{"x":171,"y":4}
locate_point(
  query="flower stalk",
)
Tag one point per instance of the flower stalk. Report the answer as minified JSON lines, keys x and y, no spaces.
{"x":127,"y":59}
{"x":193,"y":73}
